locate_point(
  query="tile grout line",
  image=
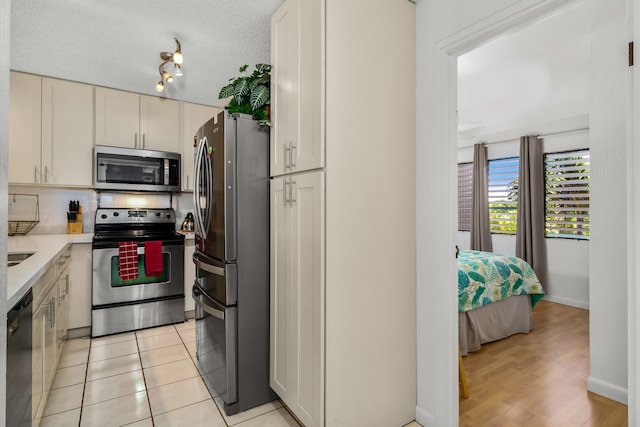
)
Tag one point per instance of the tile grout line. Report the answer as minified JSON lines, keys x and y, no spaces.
{"x":84,"y":385}
{"x":144,"y":378}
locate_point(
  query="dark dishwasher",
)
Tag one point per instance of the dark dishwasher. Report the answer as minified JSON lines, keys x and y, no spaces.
{"x":19,"y":347}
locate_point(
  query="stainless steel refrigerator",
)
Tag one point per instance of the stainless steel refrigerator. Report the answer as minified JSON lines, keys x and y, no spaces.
{"x":231,"y":290}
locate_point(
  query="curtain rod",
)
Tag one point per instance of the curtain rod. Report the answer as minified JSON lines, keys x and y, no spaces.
{"x":539,"y":136}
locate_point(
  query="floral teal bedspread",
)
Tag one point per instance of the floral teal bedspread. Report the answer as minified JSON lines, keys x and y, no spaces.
{"x":485,"y":277}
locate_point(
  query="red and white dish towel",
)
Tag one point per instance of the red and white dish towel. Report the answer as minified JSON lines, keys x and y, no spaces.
{"x":128,"y":260}
{"x":153,"y":258}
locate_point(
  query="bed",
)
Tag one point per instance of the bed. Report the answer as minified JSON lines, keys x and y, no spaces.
{"x":496,"y":296}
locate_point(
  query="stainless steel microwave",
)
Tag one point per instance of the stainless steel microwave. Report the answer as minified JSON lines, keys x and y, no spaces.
{"x":129,"y":169}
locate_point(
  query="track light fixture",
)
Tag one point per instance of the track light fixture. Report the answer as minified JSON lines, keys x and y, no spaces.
{"x":170,"y":57}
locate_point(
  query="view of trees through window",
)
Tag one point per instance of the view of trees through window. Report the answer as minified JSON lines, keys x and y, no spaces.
{"x":567,"y":194}
{"x":503,"y":195}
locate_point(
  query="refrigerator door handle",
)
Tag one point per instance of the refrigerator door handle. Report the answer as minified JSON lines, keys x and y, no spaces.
{"x":209,"y":208}
{"x":219,"y":271}
{"x":196,"y":186}
{"x":208,"y":305}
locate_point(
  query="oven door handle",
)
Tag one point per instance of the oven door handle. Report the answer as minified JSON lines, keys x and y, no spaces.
{"x":208,"y":305}
{"x":219,"y":271}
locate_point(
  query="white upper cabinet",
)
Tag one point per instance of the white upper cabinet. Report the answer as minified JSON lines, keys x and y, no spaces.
{"x":50,"y":131}
{"x":125,"y":119}
{"x":25,"y":105}
{"x":160,"y":123}
{"x":193,"y":117}
{"x":296,"y":139}
{"x":67,"y":132}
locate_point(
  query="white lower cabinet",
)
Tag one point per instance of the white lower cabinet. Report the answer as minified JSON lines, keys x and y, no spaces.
{"x":297,"y":277}
{"x":50,"y":323}
{"x":79,"y":298}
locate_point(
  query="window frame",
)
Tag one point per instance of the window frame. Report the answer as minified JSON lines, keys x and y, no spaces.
{"x":514,"y":221}
{"x":575,"y":237}
{"x":467,"y":188}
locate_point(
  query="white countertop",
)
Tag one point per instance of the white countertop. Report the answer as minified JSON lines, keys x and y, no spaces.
{"x":46,"y":247}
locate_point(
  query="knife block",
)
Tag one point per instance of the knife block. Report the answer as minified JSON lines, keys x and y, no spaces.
{"x":75,"y":227}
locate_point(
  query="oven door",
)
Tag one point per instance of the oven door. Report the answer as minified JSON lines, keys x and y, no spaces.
{"x":216,"y":335}
{"x":110,"y":288}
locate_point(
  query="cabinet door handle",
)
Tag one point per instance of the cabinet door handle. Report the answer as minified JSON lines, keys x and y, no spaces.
{"x":187,"y":187}
{"x":46,"y":172}
{"x":52,"y":313}
{"x":286,"y":182}
{"x":292,"y":158}
{"x":135,"y":140}
{"x":284,"y":152}
{"x":35,"y":174}
{"x":292,"y":200}
{"x":144,"y":140}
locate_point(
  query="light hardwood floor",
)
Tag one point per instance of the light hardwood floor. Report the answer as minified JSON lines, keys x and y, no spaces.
{"x":538,"y":379}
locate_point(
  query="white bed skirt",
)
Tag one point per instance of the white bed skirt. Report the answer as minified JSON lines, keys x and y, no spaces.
{"x":493,"y":322}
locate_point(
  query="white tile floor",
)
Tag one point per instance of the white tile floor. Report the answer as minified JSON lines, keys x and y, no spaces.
{"x":142,"y":379}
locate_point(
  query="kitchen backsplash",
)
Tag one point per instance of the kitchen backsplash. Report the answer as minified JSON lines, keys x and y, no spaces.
{"x":54,"y":204}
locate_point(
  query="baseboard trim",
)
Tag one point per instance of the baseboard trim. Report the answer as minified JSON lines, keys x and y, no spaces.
{"x":79,"y":332}
{"x":424,"y":418}
{"x":608,"y":390}
{"x":567,"y":301}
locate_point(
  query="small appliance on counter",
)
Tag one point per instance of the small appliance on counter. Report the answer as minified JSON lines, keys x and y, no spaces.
{"x":74,"y":218}
{"x":23,"y":213}
{"x":187,"y":224}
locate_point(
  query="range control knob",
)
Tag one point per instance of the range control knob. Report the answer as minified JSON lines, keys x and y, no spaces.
{"x":168,"y":216}
{"x":103,"y":216}
{"x":116,"y":213}
{"x":158,"y":214}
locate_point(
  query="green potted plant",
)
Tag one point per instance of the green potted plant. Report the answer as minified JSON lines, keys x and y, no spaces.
{"x":250,"y":93}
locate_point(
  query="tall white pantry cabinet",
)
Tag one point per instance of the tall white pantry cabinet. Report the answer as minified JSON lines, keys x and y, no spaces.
{"x":343,"y":324}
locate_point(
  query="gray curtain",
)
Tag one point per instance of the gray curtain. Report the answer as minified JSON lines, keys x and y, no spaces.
{"x":480,"y":232}
{"x":530,"y":240}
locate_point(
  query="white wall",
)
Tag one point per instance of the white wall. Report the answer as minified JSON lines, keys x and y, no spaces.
{"x":568,"y":260}
{"x":5,"y":7}
{"x":451,"y":27}
{"x":54,"y":203}
{"x":608,"y":257}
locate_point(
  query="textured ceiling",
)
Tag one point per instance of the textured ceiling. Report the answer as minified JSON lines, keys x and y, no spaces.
{"x":117,"y":43}
{"x":536,"y":75}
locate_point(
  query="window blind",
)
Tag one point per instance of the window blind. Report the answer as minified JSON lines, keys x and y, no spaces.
{"x":567,"y":194}
{"x":465,"y":194}
{"x":503,"y":195}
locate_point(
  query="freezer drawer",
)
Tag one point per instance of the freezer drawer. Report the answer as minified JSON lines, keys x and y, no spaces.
{"x":217,"y":279}
{"x":216,"y":347}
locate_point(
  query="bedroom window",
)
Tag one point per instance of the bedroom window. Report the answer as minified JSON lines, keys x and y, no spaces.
{"x":567,"y":194}
{"x":465,"y":175}
{"x":503,"y":195}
